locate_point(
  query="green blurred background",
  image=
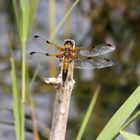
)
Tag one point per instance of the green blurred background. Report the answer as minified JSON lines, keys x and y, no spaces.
{"x":92,"y":22}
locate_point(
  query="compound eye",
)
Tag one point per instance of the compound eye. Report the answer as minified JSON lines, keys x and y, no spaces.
{"x":65,"y":42}
{"x":69,"y":42}
{"x":72,"y":42}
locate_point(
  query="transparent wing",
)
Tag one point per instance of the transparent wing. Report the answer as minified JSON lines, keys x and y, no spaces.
{"x":95,"y":50}
{"x":41,"y":61}
{"x":41,"y":57}
{"x":92,"y":63}
{"x":46,"y":45}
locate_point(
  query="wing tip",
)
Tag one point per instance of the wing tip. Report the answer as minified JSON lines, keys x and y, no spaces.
{"x":108,"y":61}
{"x":110,"y":46}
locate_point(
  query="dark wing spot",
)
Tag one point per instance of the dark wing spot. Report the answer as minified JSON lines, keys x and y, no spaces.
{"x":109,"y":45}
{"x":32,"y":53}
{"x":48,"y":41}
{"x":36,"y":36}
{"x":46,"y":54}
{"x":107,"y":59}
{"x":89,"y":58}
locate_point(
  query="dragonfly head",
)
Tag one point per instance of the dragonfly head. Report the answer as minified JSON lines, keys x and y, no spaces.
{"x":69,"y":42}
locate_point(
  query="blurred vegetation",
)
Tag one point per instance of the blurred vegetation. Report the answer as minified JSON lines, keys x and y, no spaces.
{"x":117,"y":22}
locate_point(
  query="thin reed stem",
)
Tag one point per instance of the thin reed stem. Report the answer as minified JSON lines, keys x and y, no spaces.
{"x":88,"y":114}
{"x":23,"y":21}
{"x":67,"y":22}
{"x":64,"y":18}
{"x":23,"y":72}
{"x":16,"y":104}
{"x":52,"y":68}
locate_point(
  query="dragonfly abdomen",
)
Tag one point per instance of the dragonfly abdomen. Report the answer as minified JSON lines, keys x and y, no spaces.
{"x":64,"y":75}
{"x":65,"y":70}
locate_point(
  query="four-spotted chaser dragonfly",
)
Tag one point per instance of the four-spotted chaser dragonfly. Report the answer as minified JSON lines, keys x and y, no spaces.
{"x":83,"y":58}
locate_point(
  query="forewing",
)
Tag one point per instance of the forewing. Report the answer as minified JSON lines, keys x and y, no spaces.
{"x":40,"y":62}
{"x":41,"y":57}
{"x":96,"y":50}
{"x":92,"y":63}
{"x":45,"y":45}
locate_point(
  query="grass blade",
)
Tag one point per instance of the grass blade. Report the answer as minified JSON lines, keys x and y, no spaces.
{"x":16,"y":99}
{"x":116,"y":122}
{"x":130,"y":120}
{"x":25,"y":19}
{"x":88,"y":114}
{"x":15,"y":7}
{"x":51,"y":11}
{"x":33,"y":8}
{"x":64,"y":19}
{"x":129,"y":136}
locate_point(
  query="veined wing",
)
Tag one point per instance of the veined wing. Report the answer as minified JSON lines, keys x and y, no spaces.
{"x":40,"y":61}
{"x":46,"y":45}
{"x":92,"y":63}
{"x":41,"y":57}
{"x":95,"y":50}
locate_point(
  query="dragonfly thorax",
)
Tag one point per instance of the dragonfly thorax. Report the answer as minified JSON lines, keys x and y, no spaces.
{"x":67,"y":49}
{"x":66,"y":53}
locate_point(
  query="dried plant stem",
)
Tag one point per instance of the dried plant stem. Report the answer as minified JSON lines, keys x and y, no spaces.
{"x":61,"y":104}
{"x":60,"y":115}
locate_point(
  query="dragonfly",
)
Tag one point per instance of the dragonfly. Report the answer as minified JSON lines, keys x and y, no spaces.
{"x":83,"y":57}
